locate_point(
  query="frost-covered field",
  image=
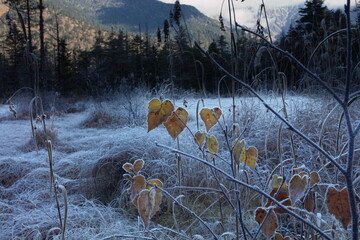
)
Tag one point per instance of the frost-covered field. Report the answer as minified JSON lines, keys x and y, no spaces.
{"x":92,"y":142}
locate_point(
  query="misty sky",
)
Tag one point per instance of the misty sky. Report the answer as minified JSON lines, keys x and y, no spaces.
{"x":212,"y":7}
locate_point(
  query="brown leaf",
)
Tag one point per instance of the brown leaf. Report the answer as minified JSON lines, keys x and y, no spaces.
{"x":138,"y":184}
{"x":278,"y":236}
{"x":309,"y":202}
{"x":146,"y":203}
{"x":127,"y":167}
{"x":177,"y":122}
{"x":315,"y":178}
{"x":297,"y":187}
{"x":138,"y":165}
{"x":338,"y":205}
{"x":283,"y":197}
{"x":157,"y":115}
{"x":209,"y":118}
{"x":158,"y":194}
{"x":271,"y":223}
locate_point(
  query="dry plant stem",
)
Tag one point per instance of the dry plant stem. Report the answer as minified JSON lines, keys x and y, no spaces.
{"x":351,"y":136}
{"x":290,"y":126}
{"x":187,"y":209}
{"x":254,"y":188}
{"x":308,"y":71}
{"x":270,"y":209}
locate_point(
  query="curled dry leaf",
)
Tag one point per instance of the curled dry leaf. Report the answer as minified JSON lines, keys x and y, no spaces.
{"x":138,"y":165}
{"x":237,"y":150}
{"x":145,"y":205}
{"x":158,"y":115}
{"x":297,"y":187}
{"x":271,"y":222}
{"x":199,"y":138}
{"x":209,"y":118}
{"x":138,"y":184}
{"x":249,"y":156}
{"x":212,"y":144}
{"x":177,"y":122}
{"x":338,"y":205}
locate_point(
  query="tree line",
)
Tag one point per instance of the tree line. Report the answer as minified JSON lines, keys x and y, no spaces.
{"x":167,"y":56}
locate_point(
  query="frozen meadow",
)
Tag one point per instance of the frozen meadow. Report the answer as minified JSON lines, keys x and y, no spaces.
{"x":91,"y":140}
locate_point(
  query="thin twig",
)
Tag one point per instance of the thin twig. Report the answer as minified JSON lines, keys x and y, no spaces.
{"x":254,"y":188}
{"x":307,"y":70}
{"x":291,"y":127}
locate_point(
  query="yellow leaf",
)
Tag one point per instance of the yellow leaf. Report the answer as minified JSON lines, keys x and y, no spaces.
{"x":271,"y":222}
{"x":177,"y":122}
{"x":249,"y":156}
{"x":199,"y":138}
{"x":157,"y":116}
{"x":297,"y":187}
{"x":338,"y":205}
{"x":212,"y":144}
{"x":209,"y":118}
{"x":237,"y":150}
{"x":154,"y":105}
{"x":138,"y":184}
{"x":138,"y":165}
{"x":128,"y":167}
{"x":276,"y":182}
{"x":146,"y":202}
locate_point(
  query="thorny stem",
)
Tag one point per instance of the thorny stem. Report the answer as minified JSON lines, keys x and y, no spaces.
{"x":254,"y":188}
{"x":290,"y":126}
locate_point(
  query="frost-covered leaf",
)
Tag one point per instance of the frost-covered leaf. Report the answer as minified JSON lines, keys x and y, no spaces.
{"x":199,"y":138}
{"x":127,"y":167}
{"x":271,"y":222}
{"x":276,"y":182}
{"x":209,"y":118}
{"x":146,"y":202}
{"x":338,"y":205}
{"x":177,"y":122}
{"x":278,"y":236}
{"x":297,"y":187}
{"x":157,"y":115}
{"x":138,"y":165}
{"x":309,"y":201}
{"x":237,"y":150}
{"x":283,"y":197}
{"x":315,"y":178}
{"x":212,"y":144}
{"x":154,"y":105}
{"x":138,"y":184}
{"x":158,"y":194}
{"x":249,"y":156}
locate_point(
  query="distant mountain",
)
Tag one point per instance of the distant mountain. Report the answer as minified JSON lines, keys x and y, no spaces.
{"x":135,"y":15}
